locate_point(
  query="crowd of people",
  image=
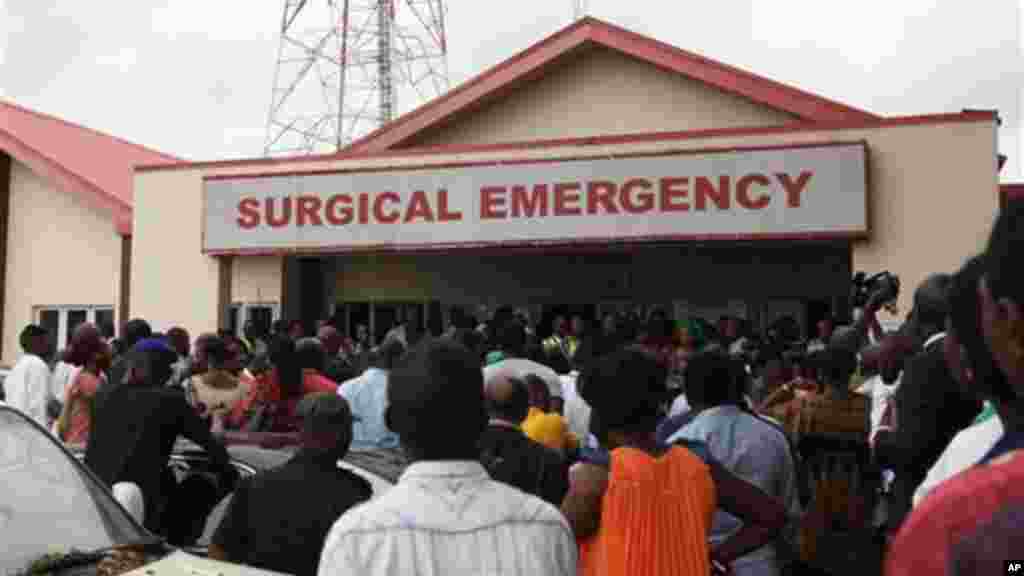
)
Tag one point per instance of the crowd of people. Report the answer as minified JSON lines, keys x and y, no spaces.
{"x":630,"y":448}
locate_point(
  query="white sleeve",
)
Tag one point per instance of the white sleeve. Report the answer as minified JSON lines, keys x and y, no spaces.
{"x":937,"y":474}
{"x":37,"y":389}
{"x":567,"y":552}
{"x":336,"y":558}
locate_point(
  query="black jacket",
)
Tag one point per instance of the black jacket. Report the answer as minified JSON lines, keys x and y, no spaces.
{"x":510,"y":457}
{"x":931,"y":407}
{"x":279,"y":519}
{"x":133,"y":435}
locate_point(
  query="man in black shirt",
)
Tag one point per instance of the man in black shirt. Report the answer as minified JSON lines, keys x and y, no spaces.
{"x":278,"y":520}
{"x":509,"y":456}
{"x":134,"y":433}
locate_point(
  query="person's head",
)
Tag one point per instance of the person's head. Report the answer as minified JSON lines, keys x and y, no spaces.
{"x":362,"y":333}
{"x":511,"y":338}
{"x":558,"y":325}
{"x":282,"y":355}
{"x":388,"y":354}
{"x":180,"y":341}
{"x":579,"y":326}
{"x":836,"y":366}
{"x":88,"y":349}
{"x":279,"y":326}
{"x":330,"y":338}
{"x":609,"y":324}
{"x":1002,"y":295}
{"x":893,"y":352}
{"x":539,"y":394}
{"x":296,"y":330}
{"x":507,"y":399}
{"x":135,"y":330}
{"x":712,"y":380}
{"x":931,"y":307}
{"x":252,"y":330}
{"x":107,"y":330}
{"x":625,"y":390}
{"x":211,"y":352}
{"x":825,"y":327}
{"x":729,"y":327}
{"x":311,"y":354}
{"x":436,"y":402}
{"x":34,"y":339}
{"x":237,"y":352}
{"x":326,"y":424}
{"x":412,"y":317}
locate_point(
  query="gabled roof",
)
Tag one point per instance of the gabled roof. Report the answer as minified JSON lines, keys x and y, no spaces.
{"x":94,"y":166}
{"x":538,"y":59}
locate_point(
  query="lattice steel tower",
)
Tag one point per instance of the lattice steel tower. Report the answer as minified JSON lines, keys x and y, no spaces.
{"x":343,"y":64}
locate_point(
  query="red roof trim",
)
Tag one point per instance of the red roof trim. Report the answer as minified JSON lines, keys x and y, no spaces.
{"x":534,"y":161}
{"x":589,"y":141}
{"x":511,"y":73}
{"x":55,"y":172}
{"x":75,"y":126}
{"x":530,"y":245}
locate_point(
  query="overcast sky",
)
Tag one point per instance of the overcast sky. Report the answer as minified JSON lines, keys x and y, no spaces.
{"x":193,"y":77}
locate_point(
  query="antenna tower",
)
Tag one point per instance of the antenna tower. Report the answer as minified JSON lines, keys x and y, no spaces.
{"x":343,"y":64}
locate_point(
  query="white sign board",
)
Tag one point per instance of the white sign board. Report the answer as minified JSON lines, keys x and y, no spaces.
{"x":802,"y":192}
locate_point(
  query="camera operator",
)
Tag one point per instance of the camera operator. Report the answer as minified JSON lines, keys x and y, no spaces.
{"x":929,"y":407}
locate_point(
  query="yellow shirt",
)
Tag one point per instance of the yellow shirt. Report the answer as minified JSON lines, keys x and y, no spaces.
{"x":549,"y":429}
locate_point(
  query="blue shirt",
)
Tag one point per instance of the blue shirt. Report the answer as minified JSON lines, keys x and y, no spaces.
{"x":367,"y":396}
{"x":755,"y":451}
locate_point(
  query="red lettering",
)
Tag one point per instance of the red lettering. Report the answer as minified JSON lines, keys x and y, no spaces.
{"x":308,"y":208}
{"x":248,"y":213}
{"x":567,"y":195}
{"x":364,"y":208}
{"x":339,"y":216}
{"x":419,"y":207}
{"x":534,"y":204}
{"x":286,"y":212}
{"x":492,"y":198}
{"x":673,"y":189}
{"x":794,"y":189}
{"x":443,"y":215}
{"x":705,"y":190}
{"x":601,"y":194}
{"x":378,"y":208}
{"x":743,"y":191}
{"x":646,"y":203}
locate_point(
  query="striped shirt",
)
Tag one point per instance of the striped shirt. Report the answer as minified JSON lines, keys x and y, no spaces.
{"x":450,"y":518}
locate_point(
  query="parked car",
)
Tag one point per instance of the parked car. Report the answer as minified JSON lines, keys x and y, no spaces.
{"x":57,"y":517}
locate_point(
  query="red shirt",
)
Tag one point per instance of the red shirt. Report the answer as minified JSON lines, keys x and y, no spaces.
{"x":267,"y":389}
{"x":945,"y":531}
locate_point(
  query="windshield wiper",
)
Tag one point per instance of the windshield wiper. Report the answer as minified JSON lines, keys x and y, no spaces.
{"x":51,"y":563}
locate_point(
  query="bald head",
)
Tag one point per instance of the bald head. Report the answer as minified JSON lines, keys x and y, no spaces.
{"x":330,"y":338}
{"x":507,"y":398}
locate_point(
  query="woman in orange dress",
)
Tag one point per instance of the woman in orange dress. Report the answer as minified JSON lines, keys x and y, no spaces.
{"x":647,"y":510}
{"x":90,"y":352}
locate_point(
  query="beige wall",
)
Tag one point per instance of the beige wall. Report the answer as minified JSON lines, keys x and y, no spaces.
{"x":601,"y":93}
{"x":60,"y":251}
{"x":256,"y":279}
{"x":933,"y":193}
{"x":172,"y":282}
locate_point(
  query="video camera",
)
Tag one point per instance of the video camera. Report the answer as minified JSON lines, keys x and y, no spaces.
{"x":885,"y":284}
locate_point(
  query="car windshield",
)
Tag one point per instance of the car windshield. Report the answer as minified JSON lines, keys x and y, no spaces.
{"x":49,"y":503}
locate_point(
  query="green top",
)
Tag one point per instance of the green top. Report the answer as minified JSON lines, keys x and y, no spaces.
{"x":494,"y":357}
{"x":988,"y":411}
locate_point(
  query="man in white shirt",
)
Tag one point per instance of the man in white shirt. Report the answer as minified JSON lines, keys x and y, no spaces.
{"x":446,"y":515}
{"x":512,"y":342}
{"x":28,"y":386}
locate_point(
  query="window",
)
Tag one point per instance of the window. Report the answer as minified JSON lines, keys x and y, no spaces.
{"x":261,"y":312}
{"x":61,"y":321}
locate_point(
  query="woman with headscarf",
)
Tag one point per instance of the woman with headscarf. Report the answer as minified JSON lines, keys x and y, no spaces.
{"x":91,"y":353}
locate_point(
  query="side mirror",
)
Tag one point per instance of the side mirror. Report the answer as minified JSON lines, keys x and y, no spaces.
{"x":130,"y":497}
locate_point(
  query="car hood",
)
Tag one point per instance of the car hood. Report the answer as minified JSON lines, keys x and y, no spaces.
{"x":183,"y":564}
